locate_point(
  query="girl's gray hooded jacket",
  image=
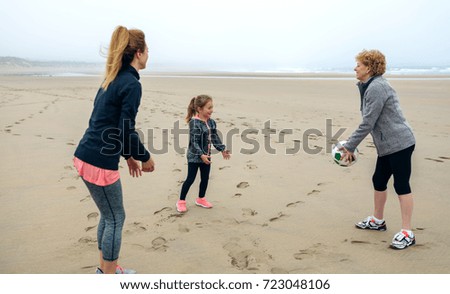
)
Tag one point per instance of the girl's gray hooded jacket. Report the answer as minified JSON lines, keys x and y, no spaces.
{"x":201,"y":136}
{"x":382,"y":118}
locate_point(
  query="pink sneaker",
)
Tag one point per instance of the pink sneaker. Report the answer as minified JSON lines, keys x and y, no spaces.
{"x":203,"y":203}
{"x":181,"y":206}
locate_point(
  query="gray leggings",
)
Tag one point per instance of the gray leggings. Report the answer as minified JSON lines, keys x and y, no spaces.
{"x":112,"y":217}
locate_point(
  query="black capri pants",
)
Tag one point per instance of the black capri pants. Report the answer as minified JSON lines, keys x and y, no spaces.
{"x":397,"y":164}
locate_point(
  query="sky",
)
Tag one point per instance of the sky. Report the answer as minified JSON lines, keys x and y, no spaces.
{"x":234,"y":34}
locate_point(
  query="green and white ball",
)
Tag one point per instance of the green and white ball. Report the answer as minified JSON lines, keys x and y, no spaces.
{"x":337,"y":154}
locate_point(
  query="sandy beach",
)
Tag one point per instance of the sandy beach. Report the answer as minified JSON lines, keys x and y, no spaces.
{"x":278,"y":208}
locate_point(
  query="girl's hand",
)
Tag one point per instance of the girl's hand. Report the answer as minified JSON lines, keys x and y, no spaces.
{"x":226,"y":154}
{"x":134,"y":167}
{"x":347,"y":156}
{"x":149,"y":165}
{"x":205,"y":158}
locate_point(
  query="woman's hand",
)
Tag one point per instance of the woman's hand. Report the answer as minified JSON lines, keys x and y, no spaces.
{"x":149,"y":165}
{"x":134,"y":167}
{"x":226,"y":154}
{"x":347,"y":156}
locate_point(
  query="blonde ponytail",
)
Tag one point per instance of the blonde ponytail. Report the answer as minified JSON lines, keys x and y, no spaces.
{"x":122,"y":48}
{"x":119,"y":41}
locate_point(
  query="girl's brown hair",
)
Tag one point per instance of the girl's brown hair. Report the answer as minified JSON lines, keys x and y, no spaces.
{"x":196,"y":102}
{"x":122,"y":48}
{"x":374,"y":60}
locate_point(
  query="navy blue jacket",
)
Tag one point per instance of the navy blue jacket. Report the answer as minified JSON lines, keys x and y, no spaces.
{"x":111,"y":132}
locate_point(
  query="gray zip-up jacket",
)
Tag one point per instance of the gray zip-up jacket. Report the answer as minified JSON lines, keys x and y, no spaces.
{"x":201,"y":137}
{"x":382,"y":118}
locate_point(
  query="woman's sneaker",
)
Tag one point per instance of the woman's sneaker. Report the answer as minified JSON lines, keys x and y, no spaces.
{"x":181,"y":206}
{"x":203,"y":203}
{"x":119,"y":270}
{"x":369,"y":223}
{"x":403,"y":240}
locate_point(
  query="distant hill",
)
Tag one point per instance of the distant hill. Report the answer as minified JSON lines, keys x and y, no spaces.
{"x":10,"y":65}
{"x":15,"y":61}
{"x":21,"y":62}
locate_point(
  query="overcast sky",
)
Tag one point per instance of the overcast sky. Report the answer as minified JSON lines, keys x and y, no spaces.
{"x":239,"y":33}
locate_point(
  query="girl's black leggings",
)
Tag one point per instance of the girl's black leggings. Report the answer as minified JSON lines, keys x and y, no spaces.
{"x":193,"y":167}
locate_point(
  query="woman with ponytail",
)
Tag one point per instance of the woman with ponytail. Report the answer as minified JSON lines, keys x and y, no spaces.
{"x":110,"y":135}
{"x":202,"y":134}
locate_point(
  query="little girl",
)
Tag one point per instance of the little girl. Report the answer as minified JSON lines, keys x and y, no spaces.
{"x":202,"y":133}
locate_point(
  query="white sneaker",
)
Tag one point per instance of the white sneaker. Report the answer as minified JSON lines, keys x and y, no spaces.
{"x":403,"y":240}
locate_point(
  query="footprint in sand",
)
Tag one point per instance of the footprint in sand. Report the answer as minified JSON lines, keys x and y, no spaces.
{"x":92,"y":215}
{"x":87,"y":229}
{"x":444,"y":157}
{"x":280,"y":215}
{"x":313,"y":192}
{"x":312,"y":251}
{"x":436,"y":160}
{"x":359,"y":242}
{"x":224,"y":167}
{"x":169,"y":218}
{"x":163,"y":209}
{"x":249,"y":212}
{"x":88,"y":197}
{"x":251,"y":260}
{"x":159,"y":244}
{"x":71,"y":188}
{"x":252,"y":166}
{"x":294,"y":204}
{"x":243,"y":185}
{"x":139,"y":226}
{"x":278,"y":270}
{"x":237,"y":195}
{"x":86,"y":240}
{"x":89,"y":267}
{"x":176,"y":170}
{"x":183,"y":228}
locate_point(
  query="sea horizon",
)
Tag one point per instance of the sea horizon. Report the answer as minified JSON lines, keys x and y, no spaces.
{"x":24,"y":67}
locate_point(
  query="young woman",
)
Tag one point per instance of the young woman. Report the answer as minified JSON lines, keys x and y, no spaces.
{"x":111,"y":134}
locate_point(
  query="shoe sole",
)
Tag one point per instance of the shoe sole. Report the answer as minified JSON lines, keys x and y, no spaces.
{"x":396,"y":248}
{"x":370,"y":229}
{"x":198,"y":204}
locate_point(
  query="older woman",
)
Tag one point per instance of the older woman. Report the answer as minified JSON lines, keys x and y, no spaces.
{"x":393,"y":139}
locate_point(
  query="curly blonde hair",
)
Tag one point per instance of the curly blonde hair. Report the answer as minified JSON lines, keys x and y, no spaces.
{"x":374,"y":60}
